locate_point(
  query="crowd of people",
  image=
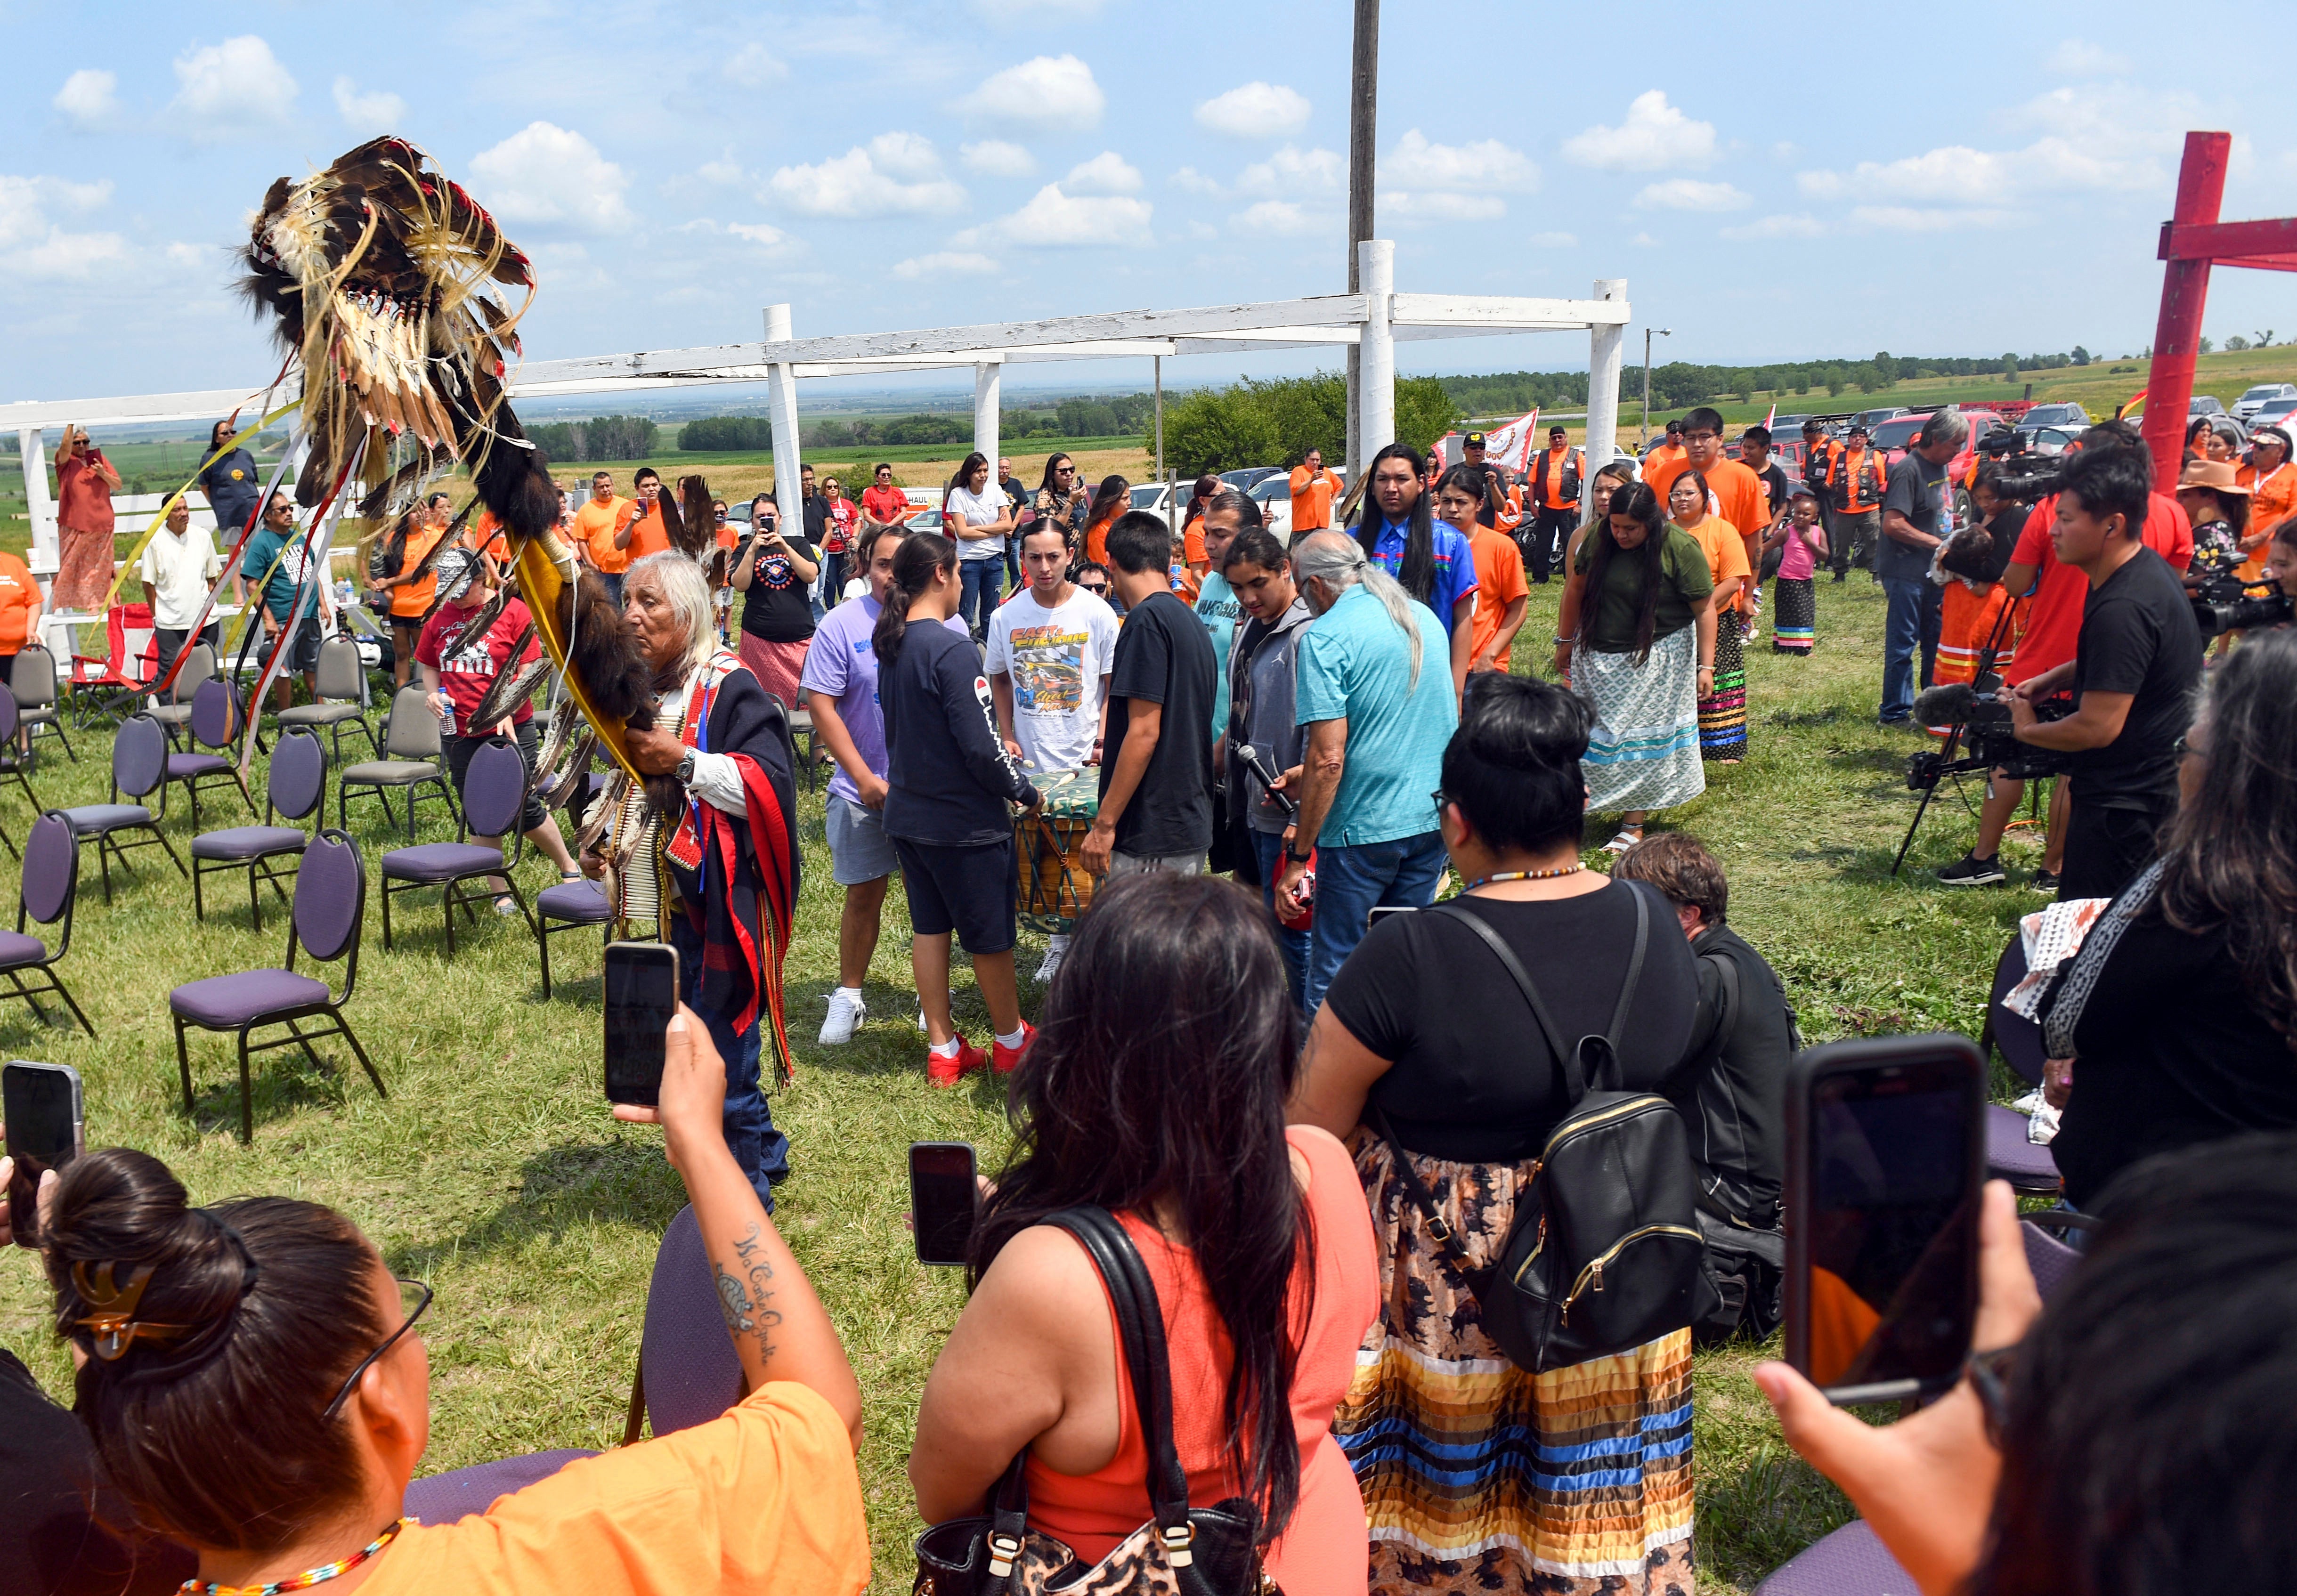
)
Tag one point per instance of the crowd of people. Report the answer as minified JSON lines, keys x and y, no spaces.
{"x":1314,"y":1107}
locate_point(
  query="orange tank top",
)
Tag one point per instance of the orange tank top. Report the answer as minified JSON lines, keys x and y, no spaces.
{"x":1322,"y":1549}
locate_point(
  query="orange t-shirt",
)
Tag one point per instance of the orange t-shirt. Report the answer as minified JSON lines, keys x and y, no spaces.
{"x":1096,"y":539}
{"x":20,"y":596}
{"x":412,"y":600}
{"x":1499,"y":583}
{"x":764,"y":1497}
{"x":1323,"y":1547}
{"x":595,"y":524}
{"x":1556,"y":458}
{"x":649,"y":536}
{"x":1312,"y":499}
{"x":1726,"y":552}
{"x":2271,"y":500}
{"x":1659,"y":459}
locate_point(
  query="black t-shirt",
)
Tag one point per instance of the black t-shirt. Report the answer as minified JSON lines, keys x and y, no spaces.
{"x":1165,"y":655}
{"x":1913,"y":492}
{"x":1472,"y":1078}
{"x":2137,"y":637}
{"x":1775,"y":484}
{"x":948,"y":777}
{"x":2170,"y":1052}
{"x":816,"y":520}
{"x":775,"y":609}
{"x":49,"y":1541}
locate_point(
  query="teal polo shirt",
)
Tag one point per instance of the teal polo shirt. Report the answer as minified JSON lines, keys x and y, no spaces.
{"x":1353,"y":663}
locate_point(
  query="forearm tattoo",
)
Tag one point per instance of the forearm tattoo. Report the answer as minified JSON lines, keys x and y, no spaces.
{"x":746,"y":1298}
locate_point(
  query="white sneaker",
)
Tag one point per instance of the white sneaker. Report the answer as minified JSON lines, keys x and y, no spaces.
{"x":1052,"y":967}
{"x":845,"y":1013}
{"x":922,"y":1028}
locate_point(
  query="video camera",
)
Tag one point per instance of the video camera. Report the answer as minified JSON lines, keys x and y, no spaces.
{"x":2028,"y":474}
{"x":1981,"y":723}
{"x":2224,"y":603}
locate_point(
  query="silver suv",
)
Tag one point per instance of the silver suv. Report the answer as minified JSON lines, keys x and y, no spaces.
{"x":2250,"y":403}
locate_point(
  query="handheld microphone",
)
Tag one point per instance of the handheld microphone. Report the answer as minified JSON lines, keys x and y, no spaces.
{"x":1251,"y":758}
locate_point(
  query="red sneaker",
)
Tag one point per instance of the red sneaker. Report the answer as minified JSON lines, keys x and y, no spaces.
{"x":943,"y":1071}
{"x":1005,"y":1060}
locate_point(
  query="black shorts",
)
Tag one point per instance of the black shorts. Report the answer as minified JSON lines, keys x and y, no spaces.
{"x":968,"y":890}
{"x":459,"y":750}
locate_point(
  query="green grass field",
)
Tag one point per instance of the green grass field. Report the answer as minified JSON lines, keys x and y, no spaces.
{"x":493,"y":1171}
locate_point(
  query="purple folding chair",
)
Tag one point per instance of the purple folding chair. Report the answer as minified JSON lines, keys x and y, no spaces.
{"x":2017,"y":1038}
{"x":564,"y":908}
{"x":295,"y":787}
{"x":494,"y":792}
{"x":50,"y":883}
{"x":11,"y":763}
{"x":457,"y":1493}
{"x":330,"y":905}
{"x":688,"y":1371}
{"x":139,"y":767}
{"x":218,"y":718}
{"x":2031,"y":1170}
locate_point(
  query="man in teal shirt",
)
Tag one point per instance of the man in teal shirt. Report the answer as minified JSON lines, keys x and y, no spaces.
{"x":1371,"y":687}
{"x":278,"y":550}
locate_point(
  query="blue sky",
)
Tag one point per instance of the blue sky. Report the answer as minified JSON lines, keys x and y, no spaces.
{"x":1790,"y":186}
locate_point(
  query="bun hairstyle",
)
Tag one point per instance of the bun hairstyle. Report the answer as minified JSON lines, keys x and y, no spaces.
{"x":205,"y":1406}
{"x":1512,"y":766}
{"x":920,"y":556}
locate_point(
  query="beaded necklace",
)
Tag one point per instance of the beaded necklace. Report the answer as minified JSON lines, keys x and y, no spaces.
{"x":1572,"y":868}
{"x":298,"y":1581}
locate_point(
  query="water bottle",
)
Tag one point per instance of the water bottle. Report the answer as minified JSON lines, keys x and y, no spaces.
{"x":447,"y":717}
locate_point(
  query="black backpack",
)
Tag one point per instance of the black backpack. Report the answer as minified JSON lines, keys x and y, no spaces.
{"x":1605,"y":1252}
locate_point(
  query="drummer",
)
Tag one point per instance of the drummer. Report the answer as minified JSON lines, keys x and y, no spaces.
{"x":1058,"y":643}
{"x":840,"y":684}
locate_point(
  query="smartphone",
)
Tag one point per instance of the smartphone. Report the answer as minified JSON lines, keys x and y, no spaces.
{"x":641,"y":989}
{"x":41,"y":1105}
{"x":1380,"y":912}
{"x":943,"y":1196}
{"x":1886,"y":1150}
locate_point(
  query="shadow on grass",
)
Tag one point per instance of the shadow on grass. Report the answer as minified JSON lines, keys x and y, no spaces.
{"x":281,"y":1081}
{"x":1756,"y":1516}
{"x":562,"y":1189}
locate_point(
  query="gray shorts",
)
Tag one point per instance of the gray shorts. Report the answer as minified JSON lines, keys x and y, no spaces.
{"x":1170,"y":864}
{"x":859,"y":850}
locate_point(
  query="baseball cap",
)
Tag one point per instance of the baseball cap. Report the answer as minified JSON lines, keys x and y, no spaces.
{"x":1472,"y":440}
{"x":1858,"y":428}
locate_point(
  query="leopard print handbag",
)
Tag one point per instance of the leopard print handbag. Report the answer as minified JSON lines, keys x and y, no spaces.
{"x":1179,"y":1551}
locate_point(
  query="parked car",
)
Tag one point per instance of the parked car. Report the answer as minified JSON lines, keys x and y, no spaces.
{"x":1273,"y":495}
{"x":2068,"y":415}
{"x":2274,"y":413}
{"x":1244,"y":479}
{"x":1871,"y":419}
{"x":2254,"y":401}
{"x":2204,"y":404}
{"x":2048,"y":441}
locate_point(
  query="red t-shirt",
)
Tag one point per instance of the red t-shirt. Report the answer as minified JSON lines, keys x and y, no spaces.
{"x":888,"y":503}
{"x":2054,"y":622}
{"x":83,"y":498}
{"x":467,"y":668}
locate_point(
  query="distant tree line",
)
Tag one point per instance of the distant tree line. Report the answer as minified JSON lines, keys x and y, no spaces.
{"x":600,"y":437}
{"x":1680,"y":383}
{"x":1276,"y":421}
{"x":1128,"y":415}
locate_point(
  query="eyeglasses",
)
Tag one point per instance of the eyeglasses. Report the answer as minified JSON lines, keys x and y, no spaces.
{"x":414,"y":1296}
{"x":1988,"y":1373}
{"x":1094,"y":587}
{"x":1440,"y":798}
{"x":1698,"y":436}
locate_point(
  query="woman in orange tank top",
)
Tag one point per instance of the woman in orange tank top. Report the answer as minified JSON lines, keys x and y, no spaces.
{"x":1155,"y":1089}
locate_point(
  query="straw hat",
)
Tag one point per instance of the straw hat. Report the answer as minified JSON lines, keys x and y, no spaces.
{"x":2216,"y":475}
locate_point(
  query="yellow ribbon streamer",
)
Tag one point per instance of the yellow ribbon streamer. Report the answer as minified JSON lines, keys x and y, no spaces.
{"x":169,"y":503}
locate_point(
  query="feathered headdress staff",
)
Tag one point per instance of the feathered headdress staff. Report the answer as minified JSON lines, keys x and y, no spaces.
{"x":389,"y":284}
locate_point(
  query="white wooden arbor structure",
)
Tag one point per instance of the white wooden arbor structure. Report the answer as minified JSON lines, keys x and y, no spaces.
{"x":1373,"y":320}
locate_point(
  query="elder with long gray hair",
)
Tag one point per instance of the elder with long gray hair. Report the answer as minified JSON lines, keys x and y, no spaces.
{"x":1372,"y":690}
{"x":1917,"y":519}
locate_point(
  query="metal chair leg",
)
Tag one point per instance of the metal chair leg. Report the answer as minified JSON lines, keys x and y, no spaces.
{"x":103,"y":863}
{"x":71,"y":1002}
{"x":254,"y":900}
{"x":199,"y":905}
{"x":386,"y":916}
{"x":358,"y":1052}
{"x":542,"y":941}
{"x":183,"y":1064}
{"x":246,"y":1093}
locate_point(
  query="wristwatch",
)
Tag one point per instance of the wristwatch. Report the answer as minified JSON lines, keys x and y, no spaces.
{"x":1297,"y":857}
{"x":685,"y":767}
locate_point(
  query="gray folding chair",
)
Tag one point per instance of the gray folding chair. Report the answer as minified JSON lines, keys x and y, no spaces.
{"x":411,"y":763}
{"x":342,"y":697}
{"x":173,"y":708}
{"x":32,"y":678}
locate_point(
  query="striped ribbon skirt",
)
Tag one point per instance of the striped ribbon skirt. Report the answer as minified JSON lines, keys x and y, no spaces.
{"x":1722,"y":713}
{"x":1644,"y":752}
{"x":1794,"y":617}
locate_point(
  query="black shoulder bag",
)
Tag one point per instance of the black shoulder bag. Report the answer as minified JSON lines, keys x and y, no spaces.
{"x":1605,"y":1252}
{"x":1179,"y":1551}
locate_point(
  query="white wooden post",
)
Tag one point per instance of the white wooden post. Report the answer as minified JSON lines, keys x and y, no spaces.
{"x":986,"y":375}
{"x":1376,"y":264}
{"x":1606,"y":351}
{"x":1156,"y":378}
{"x":32,"y":446}
{"x":781,"y":419}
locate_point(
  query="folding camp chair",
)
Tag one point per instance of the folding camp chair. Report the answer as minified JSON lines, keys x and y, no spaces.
{"x":101,"y":690}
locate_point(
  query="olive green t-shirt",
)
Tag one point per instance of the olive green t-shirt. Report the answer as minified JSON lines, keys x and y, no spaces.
{"x":1683,"y":581}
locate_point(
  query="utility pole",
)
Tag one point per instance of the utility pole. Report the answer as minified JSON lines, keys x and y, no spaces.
{"x":1663,"y":333}
{"x":1363,"y":105}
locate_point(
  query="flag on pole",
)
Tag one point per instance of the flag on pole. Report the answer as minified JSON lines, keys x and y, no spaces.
{"x":1773,"y":416}
{"x":1511,"y":445}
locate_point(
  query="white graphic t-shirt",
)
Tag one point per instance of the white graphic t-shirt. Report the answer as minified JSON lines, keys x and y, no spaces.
{"x":1059,"y":659}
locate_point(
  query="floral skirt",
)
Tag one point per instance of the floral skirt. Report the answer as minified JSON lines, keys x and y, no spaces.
{"x":1479,"y":1476}
{"x":1722,"y":713}
{"x":1794,"y":618}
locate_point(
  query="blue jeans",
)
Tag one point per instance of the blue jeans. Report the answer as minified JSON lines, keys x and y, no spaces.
{"x":981,"y":583}
{"x":1912,"y":622}
{"x":1352,"y":882}
{"x":762,"y":1151}
{"x":1269,"y":846}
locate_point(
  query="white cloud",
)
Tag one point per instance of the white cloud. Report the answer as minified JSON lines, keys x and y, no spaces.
{"x":1055,"y":219}
{"x":1909,"y":218}
{"x":1488,"y":167}
{"x":191,"y":256}
{"x":1644,"y":240}
{"x":1027,"y":11}
{"x":237,"y":87}
{"x":754,"y":63}
{"x":760,"y":234}
{"x":370,"y":114}
{"x":894,"y":173}
{"x":1655,"y":136}
{"x":996,"y":158}
{"x":1293,"y":171}
{"x":1555,"y":241}
{"x":546,"y":173}
{"x":1255,"y":110}
{"x":87,"y":98}
{"x":1957,"y":174}
{"x":1441,"y":206}
{"x":1283,"y":218}
{"x":1690,"y":193}
{"x":1190,"y":180}
{"x":1800,"y":225}
{"x":34,"y":244}
{"x":1049,"y":91}
{"x":2078,"y":58}
{"x":721,"y":173}
{"x":1106,"y":173}
{"x":944,"y":263}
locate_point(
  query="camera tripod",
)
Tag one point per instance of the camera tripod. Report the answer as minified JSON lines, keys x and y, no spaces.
{"x":1954,"y":734}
